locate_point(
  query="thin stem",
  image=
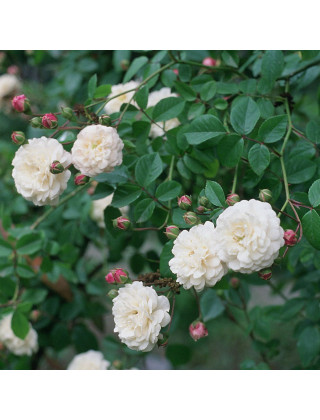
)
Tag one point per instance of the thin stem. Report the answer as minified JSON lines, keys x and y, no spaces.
{"x":235,"y":178}
{"x":302,"y":69}
{"x":198,"y":302}
{"x":212,"y":68}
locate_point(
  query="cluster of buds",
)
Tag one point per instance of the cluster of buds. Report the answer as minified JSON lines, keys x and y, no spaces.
{"x":18,"y":137}
{"x":265,"y":195}
{"x":197,"y":330}
{"x":265,"y":274}
{"x":122,"y":223}
{"x":56,"y":167}
{"x":232,"y":199}
{"x":81,"y":179}
{"x":290,"y":237}
{"x":172,"y":232}
{"x":184,"y":202}
{"x":117,"y":276}
{"x":21,"y":103}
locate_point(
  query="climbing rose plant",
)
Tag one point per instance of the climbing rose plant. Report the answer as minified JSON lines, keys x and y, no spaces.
{"x":163,"y":199}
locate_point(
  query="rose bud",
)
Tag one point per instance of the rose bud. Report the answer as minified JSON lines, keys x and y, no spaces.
{"x":13,"y":69}
{"x":49,"y":121}
{"x":203,"y":201}
{"x":56,"y":167}
{"x":176,"y":71}
{"x":117,"y":276}
{"x":265,"y":274}
{"x":67,"y":113}
{"x":113,"y":293}
{"x":209,"y":61}
{"x":290,"y":237}
{"x":265,"y":195}
{"x":18,"y":137}
{"x":201,"y":209}
{"x":35,"y":315}
{"x":124,"y":64}
{"x":121,"y":223}
{"x":190,"y":218}
{"x":81,"y":179}
{"x":172,"y":232}
{"x":21,"y":103}
{"x":232,"y":199}
{"x":36,"y":122}
{"x":184,"y":202}
{"x":198,"y":330}
{"x":234,"y":282}
{"x":105,"y":120}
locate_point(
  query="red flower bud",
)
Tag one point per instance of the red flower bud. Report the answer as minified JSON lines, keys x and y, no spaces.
{"x":265,"y":274}
{"x":49,"y":121}
{"x":232,"y":199}
{"x":21,"y":103}
{"x":117,"y":276}
{"x":184,"y":202}
{"x":290,"y":237}
{"x":56,"y":167}
{"x":81,"y":179}
{"x":209,"y":61}
{"x":198,"y":330}
{"x":121,"y":223}
{"x":190,"y":218}
{"x":18,"y":137}
{"x":172,"y":232}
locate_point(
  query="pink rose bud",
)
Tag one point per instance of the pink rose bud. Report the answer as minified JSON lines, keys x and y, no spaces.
{"x":49,"y":121}
{"x":81,"y":179}
{"x":35,"y":315}
{"x":198,"y":330}
{"x":265,"y":195}
{"x":56,"y":167}
{"x":21,"y":103}
{"x":13,"y":69}
{"x":190,"y":218}
{"x":234,"y":282}
{"x":184,"y":202}
{"x":172,"y":232}
{"x":176,"y":71}
{"x":232,"y":199}
{"x":209,"y":61}
{"x":265,"y":274}
{"x":18,"y":137}
{"x":117,"y":276}
{"x":121,"y":223}
{"x":201,"y":209}
{"x":290,"y":237}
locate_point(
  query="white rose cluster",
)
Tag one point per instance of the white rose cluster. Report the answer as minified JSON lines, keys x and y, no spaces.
{"x":247,"y":239}
{"x":14,"y":344}
{"x":115,"y":104}
{"x":157,"y":130}
{"x":97,"y":149}
{"x":31,"y":171}
{"x":139,"y":314}
{"x":90,"y":360}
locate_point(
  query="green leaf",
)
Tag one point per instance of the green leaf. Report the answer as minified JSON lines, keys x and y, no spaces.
{"x":34,"y":296}
{"x":25,"y":271}
{"x":272,"y":64}
{"x":102,"y":91}
{"x":135,"y":66}
{"x":125,"y":194}
{"x":244,"y":116}
{"x":259,"y":158}
{"x":141,"y":97}
{"x":102,"y":190}
{"x":313,"y":131}
{"x":311,"y":228}
{"x":5,"y":248}
{"x":168,"y":190}
{"x":143,"y":210}
{"x":168,"y":108}
{"x":185,"y":91}
{"x":204,"y":128}
{"x":148,"y":168}
{"x":29,"y":244}
{"x":300,"y":170}
{"x":314,"y":193}
{"x":215,"y":194}
{"x":208,"y":90}
{"x":19,"y":324}
{"x":273,"y":129}
{"x":211,"y":305}
{"x":165,"y":256}
{"x":92,"y":84}
{"x":230,"y":150}
{"x":309,"y":345}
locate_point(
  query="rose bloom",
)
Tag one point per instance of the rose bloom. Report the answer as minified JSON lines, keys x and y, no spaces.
{"x":97,"y":149}
{"x":31,"y":171}
{"x":90,"y":360}
{"x":115,"y":104}
{"x":98,"y":208}
{"x":153,"y":99}
{"x":249,"y":236}
{"x":9,"y":85}
{"x":16,"y":345}
{"x":139,"y":314}
{"x":196,"y":262}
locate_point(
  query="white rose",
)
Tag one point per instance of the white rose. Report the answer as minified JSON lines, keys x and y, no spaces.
{"x":196,"y":262}
{"x":98,"y":208}
{"x":157,"y":130}
{"x":16,"y":345}
{"x":115,"y":104}
{"x":9,"y":84}
{"x":139,"y":313}
{"x":90,"y":360}
{"x":249,"y":236}
{"x":31,"y":171}
{"x":97,"y":149}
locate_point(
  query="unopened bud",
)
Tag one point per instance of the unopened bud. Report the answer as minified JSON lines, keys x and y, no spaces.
{"x":67,"y":113}
{"x":290,"y":237}
{"x":18,"y":137}
{"x":203,"y":201}
{"x":21,"y":103}
{"x":35,"y":315}
{"x":198,"y":330}
{"x":105,"y":120}
{"x":81,"y":179}
{"x":184,"y":202}
{"x":117,"y":364}
{"x":36,"y":122}
{"x":265,"y":195}
{"x":49,"y":121}
{"x":117,"y":276}
{"x":190,"y":218}
{"x":201,"y":209}
{"x":121,"y":223}
{"x":56,"y":167}
{"x":113,"y":293}
{"x":265,"y":274}
{"x":234,"y":282}
{"x":209,"y":61}
{"x":232,"y":199}
{"x":124,"y":64}
{"x":176,"y":71}
{"x":172,"y":232}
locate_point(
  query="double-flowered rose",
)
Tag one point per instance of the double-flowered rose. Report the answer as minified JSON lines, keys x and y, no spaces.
{"x":90,"y":360}
{"x":124,"y":97}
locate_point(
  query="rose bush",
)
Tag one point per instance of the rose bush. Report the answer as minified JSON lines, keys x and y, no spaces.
{"x":181,"y":193}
